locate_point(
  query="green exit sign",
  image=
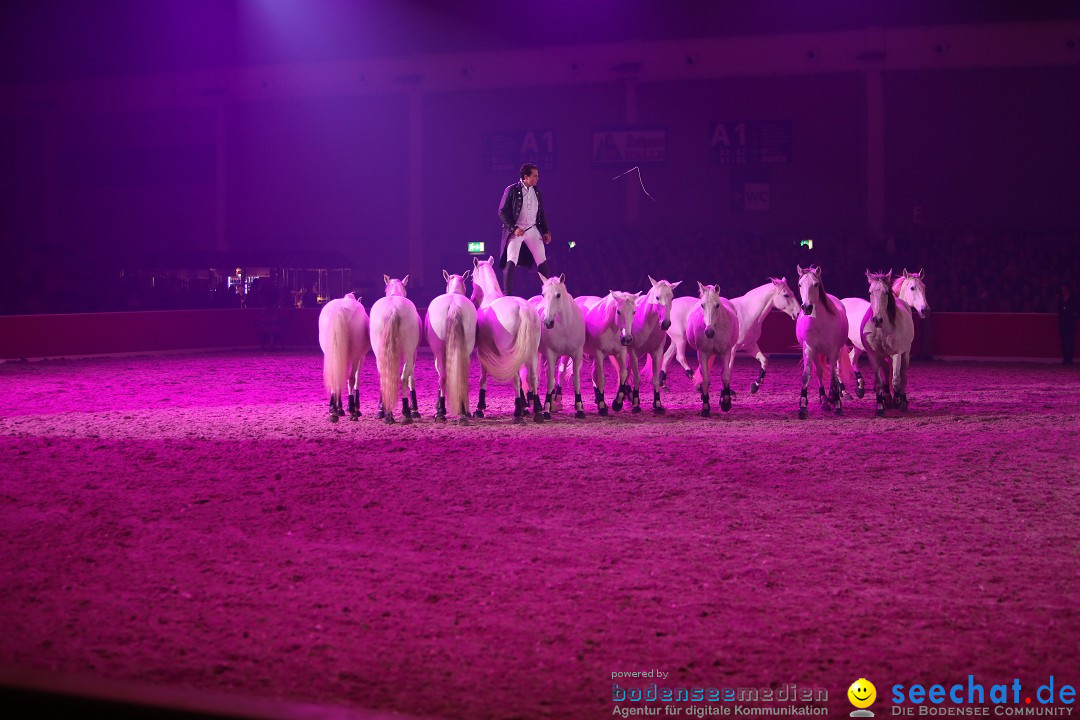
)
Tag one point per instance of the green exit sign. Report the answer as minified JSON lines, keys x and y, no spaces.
{"x":476,"y":248}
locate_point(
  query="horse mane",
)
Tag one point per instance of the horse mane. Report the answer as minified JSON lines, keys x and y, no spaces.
{"x":890,"y":308}
{"x":825,"y":295}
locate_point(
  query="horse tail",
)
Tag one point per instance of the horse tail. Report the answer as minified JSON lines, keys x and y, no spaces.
{"x":336,"y":358}
{"x":503,"y":366}
{"x":457,"y":361}
{"x":390,"y":367}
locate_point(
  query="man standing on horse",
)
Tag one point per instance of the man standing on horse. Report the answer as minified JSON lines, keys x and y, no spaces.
{"x":521,"y":212}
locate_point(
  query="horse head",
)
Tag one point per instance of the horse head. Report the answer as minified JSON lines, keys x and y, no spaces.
{"x":485,"y":277}
{"x":911,"y":288}
{"x":882,"y":300}
{"x":625,"y":304}
{"x":555,"y":297}
{"x":810,"y":290}
{"x":710,"y":306}
{"x":455,"y":283}
{"x":395,"y":286}
{"x":784,"y":299}
{"x":661,"y":293}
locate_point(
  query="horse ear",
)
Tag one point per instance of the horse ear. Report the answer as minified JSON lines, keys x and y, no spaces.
{"x":562,"y":278}
{"x":386,"y":279}
{"x":651,"y":281}
{"x":889,"y":273}
{"x":676,"y":284}
{"x":700,"y":288}
{"x":405,"y":280}
{"x":465,"y":276}
{"x":541,"y":276}
{"x":491,"y":260}
{"x":869,"y":274}
{"x":475,"y":262}
{"x":920,"y":274}
{"x":799,"y":268}
{"x":446,"y":276}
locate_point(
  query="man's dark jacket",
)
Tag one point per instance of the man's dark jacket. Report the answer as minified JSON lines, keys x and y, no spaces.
{"x":509,"y":209}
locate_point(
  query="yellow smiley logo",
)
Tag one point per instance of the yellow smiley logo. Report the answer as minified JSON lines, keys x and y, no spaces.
{"x":862,"y":693}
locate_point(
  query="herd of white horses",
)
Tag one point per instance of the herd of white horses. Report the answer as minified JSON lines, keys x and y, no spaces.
{"x":510,"y":334}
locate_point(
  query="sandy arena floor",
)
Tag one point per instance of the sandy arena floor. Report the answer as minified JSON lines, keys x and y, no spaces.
{"x":195,"y":521}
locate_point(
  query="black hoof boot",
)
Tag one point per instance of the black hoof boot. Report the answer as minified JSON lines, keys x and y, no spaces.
{"x":549,"y":405}
{"x":354,"y":405}
{"x":406,"y":416}
{"x":333,"y":417}
{"x":381,"y":413}
{"x":901,"y":402}
{"x":689,"y":374}
{"x":860,"y":386}
{"x":880,"y":412}
{"x":481,"y":404}
{"x":440,"y":409}
{"x":804,"y":412}
{"x":635,"y":404}
{"x":479,"y":413}
{"x":725,"y":400}
{"x":620,"y":398}
{"x":579,"y":407}
{"x":705,"y":411}
{"x":538,"y":409}
{"x":663,"y":378}
{"x":558,"y":393}
{"x":413,"y":409}
{"x":602,"y":411}
{"x":838,"y":411}
{"x":756,"y":385}
{"x":389,"y":417}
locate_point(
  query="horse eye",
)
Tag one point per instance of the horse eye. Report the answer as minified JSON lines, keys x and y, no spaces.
{"x":558,"y":295}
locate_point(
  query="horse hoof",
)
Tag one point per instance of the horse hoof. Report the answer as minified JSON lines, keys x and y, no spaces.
{"x":580,"y":414}
{"x":381,"y":415}
{"x":659,"y":410}
{"x":880,"y":413}
{"x":415,"y":414}
{"x":333,"y":417}
{"x":389,"y":419}
{"x":635,"y":410}
{"x":440,"y":418}
{"x":547,"y":416}
{"x":859,"y":392}
{"x":518,"y":420}
{"x":725,"y":404}
{"x":463,"y":420}
{"x":803,"y":413}
{"x":838,"y":411}
{"x":616,"y":406}
{"x":602,"y":412}
{"x":539,"y":418}
{"x":705,"y":412}
{"x":354,"y":417}
{"x":690,"y":374}
{"x":754,"y":387}
{"x":406,"y":420}
{"x":479,"y":413}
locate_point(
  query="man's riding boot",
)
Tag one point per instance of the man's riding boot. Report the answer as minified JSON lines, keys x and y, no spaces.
{"x":508,"y":278}
{"x":544,"y":269}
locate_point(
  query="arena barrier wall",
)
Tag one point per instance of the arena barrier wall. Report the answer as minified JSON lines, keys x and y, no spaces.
{"x":1030,"y":336}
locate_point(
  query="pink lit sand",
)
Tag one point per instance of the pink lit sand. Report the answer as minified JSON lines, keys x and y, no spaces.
{"x":196,"y":522}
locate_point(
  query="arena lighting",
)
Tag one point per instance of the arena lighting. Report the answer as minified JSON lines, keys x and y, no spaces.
{"x":807,"y":243}
{"x":476,"y":248}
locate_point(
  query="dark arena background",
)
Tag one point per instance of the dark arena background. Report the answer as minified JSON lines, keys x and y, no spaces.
{"x":188,"y":530}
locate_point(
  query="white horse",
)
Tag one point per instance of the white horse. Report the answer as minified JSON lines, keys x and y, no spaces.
{"x":909,"y":287}
{"x":652,"y":319}
{"x":609,"y":323}
{"x":562,"y":334}
{"x":395,"y":334}
{"x":507,"y":338}
{"x":822,"y":331}
{"x":712,"y":329}
{"x":450,"y":327}
{"x":752,"y":309}
{"x":887,"y":332}
{"x":344,"y":339}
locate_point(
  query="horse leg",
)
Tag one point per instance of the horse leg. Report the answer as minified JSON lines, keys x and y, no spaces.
{"x":481,"y":403}
{"x":680,"y":356}
{"x":635,"y":401}
{"x":534,"y":385}
{"x":657,"y":406}
{"x":668,"y":353}
{"x":598,"y":384}
{"x":519,"y":400}
{"x":333,"y":408}
{"x":900,"y":368}
{"x":804,"y":410}
{"x":725,"y":377}
{"x":836,"y":389}
{"x":549,"y":399}
{"x":619,"y":358}
{"x":860,"y":386}
{"x":579,"y":405}
{"x":879,"y":393}
{"x":705,"y":361}
{"x":408,"y":378}
{"x":761,"y":358}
